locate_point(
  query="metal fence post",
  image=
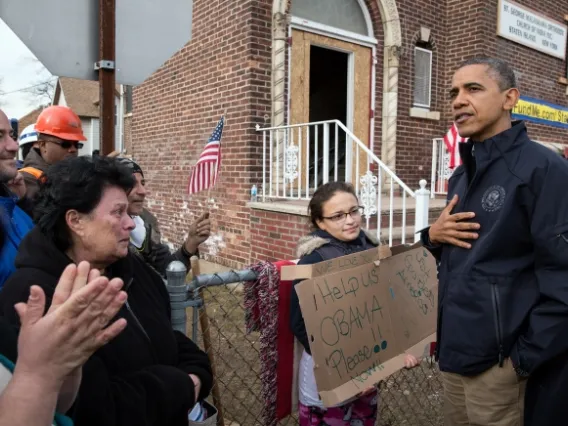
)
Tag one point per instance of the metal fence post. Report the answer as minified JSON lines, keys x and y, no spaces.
{"x":195,"y":315}
{"x":176,"y":273}
{"x":422,"y":209}
{"x":207,"y":346}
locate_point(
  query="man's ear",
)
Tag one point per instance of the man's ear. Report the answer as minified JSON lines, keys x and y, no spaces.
{"x":511,"y":98}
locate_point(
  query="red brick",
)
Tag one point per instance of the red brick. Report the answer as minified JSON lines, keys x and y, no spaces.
{"x":227,"y":66}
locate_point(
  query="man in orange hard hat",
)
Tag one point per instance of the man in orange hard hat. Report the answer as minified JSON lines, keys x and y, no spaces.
{"x":59,"y":135}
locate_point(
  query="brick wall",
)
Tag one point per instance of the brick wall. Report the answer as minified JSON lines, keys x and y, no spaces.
{"x":537,"y":73}
{"x":128,"y":134}
{"x":414,"y":135}
{"x":227,"y":67}
{"x":462,"y":29}
{"x":268,"y":227}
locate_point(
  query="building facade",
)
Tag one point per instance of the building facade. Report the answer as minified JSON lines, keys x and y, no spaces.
{"x":381,"y":68}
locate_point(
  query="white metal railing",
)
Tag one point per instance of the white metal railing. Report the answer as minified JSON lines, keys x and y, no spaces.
{"x":298,"y":158}
{"x":441,"y":171}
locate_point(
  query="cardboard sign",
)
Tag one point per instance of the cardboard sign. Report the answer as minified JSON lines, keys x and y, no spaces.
{"x":363,"y":313}
{"x":290,"y":273}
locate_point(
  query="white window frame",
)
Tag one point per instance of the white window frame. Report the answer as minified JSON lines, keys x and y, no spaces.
{"x":414,"y":103}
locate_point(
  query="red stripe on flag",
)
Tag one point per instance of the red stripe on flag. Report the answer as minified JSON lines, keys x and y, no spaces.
{"x":208,"y":163}
{"x":452,"y":139}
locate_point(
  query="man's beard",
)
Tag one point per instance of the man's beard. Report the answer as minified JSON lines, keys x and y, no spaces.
{"x":6,"y":175}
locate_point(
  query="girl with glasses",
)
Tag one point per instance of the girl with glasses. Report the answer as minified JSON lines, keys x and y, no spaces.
{"x":335,"y":215}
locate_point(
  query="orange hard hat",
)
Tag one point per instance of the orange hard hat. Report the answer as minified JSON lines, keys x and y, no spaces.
{"x":61,"y":122}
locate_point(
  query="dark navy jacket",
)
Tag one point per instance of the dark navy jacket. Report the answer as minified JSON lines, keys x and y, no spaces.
{"x":507,"y":296}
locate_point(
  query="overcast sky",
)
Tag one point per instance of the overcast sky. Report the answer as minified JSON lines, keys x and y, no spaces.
{"x":19,"y":69}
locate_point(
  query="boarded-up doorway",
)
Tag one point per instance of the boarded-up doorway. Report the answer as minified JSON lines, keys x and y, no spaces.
{"x":331,"y":79}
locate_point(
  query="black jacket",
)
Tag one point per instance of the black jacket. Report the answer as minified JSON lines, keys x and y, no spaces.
{"x":35,"y":160}
{"x":508,"y":295}
{"x":141,"y":378}
{"x":315,"y":248}
{"x":8,"y":340}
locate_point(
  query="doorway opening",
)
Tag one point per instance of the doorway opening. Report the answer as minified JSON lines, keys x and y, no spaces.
{"x":329,"y":73}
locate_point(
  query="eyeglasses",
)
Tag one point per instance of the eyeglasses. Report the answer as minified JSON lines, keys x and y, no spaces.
{"x":341,"y":217}
{"x":67,"y":144}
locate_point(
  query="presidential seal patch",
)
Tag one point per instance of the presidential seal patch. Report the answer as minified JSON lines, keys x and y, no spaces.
{"x":493,"y":198}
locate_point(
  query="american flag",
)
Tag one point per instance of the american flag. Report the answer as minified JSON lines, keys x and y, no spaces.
{"x":452,"y":139}
{"x":206,"y":170}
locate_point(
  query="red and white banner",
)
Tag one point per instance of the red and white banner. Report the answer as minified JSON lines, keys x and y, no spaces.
{"x":451,"y":141}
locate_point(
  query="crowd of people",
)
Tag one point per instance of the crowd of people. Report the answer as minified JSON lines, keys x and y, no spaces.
{"x":85,"y":323}
{"x":85,"y":332}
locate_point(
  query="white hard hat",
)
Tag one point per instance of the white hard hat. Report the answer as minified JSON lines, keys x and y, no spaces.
{"x":28,"y":135}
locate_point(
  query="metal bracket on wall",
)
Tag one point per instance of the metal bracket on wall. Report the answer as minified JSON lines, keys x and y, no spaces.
{"x":104,"y":65}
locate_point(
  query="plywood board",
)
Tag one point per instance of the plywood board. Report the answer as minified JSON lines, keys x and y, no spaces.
{"x":362,"y":104}
{"x":300,"y":90}
{"x":300,"y":94}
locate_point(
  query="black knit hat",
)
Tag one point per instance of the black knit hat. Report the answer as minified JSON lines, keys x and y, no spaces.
{"x":131,"y":164}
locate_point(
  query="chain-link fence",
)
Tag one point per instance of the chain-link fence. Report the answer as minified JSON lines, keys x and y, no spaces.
{"x":409,"y":397}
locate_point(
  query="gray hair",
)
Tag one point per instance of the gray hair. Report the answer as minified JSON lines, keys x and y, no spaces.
{"x":500,"y":70}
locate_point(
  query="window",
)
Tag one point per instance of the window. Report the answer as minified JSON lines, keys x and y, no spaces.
{"x":343,"y":14}
{"x":422,"y":77}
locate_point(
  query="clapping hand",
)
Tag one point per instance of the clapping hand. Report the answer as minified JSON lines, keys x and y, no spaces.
{"x":53,"y":345}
